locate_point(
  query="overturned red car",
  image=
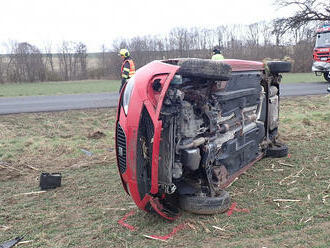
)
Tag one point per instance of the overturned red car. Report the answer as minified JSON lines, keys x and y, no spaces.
{"x":186,"y":128}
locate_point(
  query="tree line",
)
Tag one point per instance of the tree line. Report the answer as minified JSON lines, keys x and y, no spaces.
{"x":25,"y":62}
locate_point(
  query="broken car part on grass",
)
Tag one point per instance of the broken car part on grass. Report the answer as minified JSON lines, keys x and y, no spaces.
{"x":11,"y":243}
{"x":50,"y":180}
{"x":186,"y":128}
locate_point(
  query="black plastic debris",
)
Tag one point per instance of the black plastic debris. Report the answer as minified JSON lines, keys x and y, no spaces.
{"x":11,"y":243}
{"x":50,"y":181}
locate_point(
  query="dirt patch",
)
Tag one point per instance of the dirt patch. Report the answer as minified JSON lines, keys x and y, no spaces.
{"x":96,"y":135}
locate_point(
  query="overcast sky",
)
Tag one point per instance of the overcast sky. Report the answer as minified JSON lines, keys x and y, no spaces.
{"x":97,"y":22}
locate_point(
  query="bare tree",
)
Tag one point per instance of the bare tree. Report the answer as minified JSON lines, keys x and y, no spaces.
{"x":80,"y":61}
{"x":2,"y":76}
{"x":25,"y":63}
{"x":73,"y":61}
{"x":307,"y":11}
{"x":50,"y":70}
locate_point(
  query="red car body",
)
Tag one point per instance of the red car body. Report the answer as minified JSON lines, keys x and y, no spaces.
{"x":151,"y":84}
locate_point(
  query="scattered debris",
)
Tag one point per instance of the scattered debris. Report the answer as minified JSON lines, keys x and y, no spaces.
{"x":88,"y":153}
{"x":122,"y":209}
{"x":32,"y":193}
{"x":8,"y":167}
{"x":191,"y":226}
{"x":31,"y":167}
{"x":170,"y":235}
{"x":285,"y":164}
{"x":274,"y":170}
{"x":324,"y":198}
{"x":205,"y":228}
{"x":11,"y":243}
{"x":96,"y":135}
{"x":232,"y":182}
{"x":24,"y":242}
{"x":286,"y":200}
{"x":50,"y":181}
{"x":111,"y":149}
{"x":309,"y":219}
{"x":4,"y":228}
{"x":291,"y":175}
{"x":122,"y":223}
{"x":233,"y":208}
{"x":219,"y":228}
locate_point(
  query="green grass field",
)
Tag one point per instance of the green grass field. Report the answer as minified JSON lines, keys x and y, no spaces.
{"x":99,"y":86}
{"x":85,"y":210}
{"x":58,"y":88}
{"x":302,"y":78}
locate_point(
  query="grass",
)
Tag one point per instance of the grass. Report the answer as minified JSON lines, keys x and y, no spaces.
{"x":85,"y":210}
{"x":302,"y":78}
{"x":100,"y":86}
{"x":58,"y":88}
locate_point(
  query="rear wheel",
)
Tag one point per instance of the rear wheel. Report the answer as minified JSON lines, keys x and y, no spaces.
{"x":204,"y":68}
{"x":279,"y":66}
{"x":327,"y":76}
{"x":204,"y":204}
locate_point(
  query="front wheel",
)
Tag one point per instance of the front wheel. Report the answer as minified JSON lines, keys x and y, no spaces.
{"x":277,"y":150}
{"x":205,"y":205}
{"x":327,"y":76}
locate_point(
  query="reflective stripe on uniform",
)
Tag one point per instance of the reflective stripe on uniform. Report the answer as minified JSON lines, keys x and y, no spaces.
{"x":131,"y":67}
{"x":217,"y":57}
{"x":128,"y":72}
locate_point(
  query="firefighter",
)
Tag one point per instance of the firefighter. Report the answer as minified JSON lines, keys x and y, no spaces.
{"x":127,"y":67}
{"x":217,"y":54}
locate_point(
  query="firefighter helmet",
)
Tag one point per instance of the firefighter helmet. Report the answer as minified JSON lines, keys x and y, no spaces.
{"x":124,"y":53}
{"x":216,"y":50}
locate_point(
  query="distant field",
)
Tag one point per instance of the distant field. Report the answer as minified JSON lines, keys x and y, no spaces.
{"x":308,"y":77}
{"x":58,"y":88}
{"x":99,"y":86}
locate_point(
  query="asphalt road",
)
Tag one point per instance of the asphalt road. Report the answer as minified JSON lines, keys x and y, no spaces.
{"x":28,"y":104}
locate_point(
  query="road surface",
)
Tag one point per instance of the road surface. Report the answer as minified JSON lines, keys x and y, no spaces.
{"x":28,"y":104}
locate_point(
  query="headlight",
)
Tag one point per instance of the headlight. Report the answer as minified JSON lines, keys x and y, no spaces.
{"x":127,"y":93}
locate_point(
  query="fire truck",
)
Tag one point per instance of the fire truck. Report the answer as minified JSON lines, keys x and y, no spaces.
{"x":321,"y":54}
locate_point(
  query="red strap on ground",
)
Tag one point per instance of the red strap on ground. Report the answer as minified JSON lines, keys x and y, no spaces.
{"x":166,"y":237}
{"x":233,"y":208}
{"x":122,"y":223}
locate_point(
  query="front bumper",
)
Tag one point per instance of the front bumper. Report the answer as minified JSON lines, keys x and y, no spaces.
{"x":319,"y":66}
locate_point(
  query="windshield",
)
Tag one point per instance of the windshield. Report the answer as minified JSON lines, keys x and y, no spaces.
{"x":323,"y":40}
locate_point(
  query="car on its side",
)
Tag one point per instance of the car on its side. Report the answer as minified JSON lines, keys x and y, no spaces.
{"x":186,"y":128}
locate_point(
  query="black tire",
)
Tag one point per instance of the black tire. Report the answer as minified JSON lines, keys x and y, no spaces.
{"x":205,"y":205}
{"x":279,"y":66}
{"x":204,"y":68}
{"x":326,"y":76}
{"x":277,"y":150}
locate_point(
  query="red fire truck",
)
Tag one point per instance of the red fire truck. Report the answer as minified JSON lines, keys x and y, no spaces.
{"x":321,"y":55}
